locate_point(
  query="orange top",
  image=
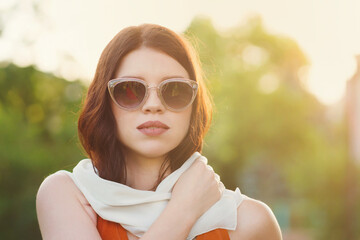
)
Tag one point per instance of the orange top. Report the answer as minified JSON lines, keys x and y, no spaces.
{"x":114,"y":231}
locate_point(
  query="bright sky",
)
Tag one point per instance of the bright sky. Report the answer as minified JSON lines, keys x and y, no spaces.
{"x":78,"y":30}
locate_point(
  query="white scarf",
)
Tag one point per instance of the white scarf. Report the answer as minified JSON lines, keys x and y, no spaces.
{"x":136,"y":210}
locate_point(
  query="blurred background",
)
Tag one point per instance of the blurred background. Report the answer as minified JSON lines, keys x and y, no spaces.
{"x":285,"y":79}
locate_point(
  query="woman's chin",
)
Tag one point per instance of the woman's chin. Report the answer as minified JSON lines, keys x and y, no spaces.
{"x":151,"y":151}
{"x":154,"y":152}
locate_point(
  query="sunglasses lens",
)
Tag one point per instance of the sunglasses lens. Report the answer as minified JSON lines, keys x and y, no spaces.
{"x":177,"y":95}
{"x":129,"y":94}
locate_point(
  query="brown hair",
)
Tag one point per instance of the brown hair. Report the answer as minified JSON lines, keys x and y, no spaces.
{"x":96,"y":123}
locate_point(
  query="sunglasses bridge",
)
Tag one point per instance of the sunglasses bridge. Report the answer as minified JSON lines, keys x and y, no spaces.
{"x":158,"y":94}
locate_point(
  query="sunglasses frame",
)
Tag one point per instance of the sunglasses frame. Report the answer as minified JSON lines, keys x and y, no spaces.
{"x":113,"y":82}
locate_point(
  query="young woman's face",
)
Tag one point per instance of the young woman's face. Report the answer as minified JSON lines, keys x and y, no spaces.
{"x":153,"y":67}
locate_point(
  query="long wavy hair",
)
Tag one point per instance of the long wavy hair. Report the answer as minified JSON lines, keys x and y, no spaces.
{"x":96,"y":122}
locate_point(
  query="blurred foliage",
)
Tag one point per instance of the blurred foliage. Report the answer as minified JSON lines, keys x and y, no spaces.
{"x":37,"y":137}
{"x":270,"y":137}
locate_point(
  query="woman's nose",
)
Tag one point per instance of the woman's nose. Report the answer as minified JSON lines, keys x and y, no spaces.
{"x":153,"y":103}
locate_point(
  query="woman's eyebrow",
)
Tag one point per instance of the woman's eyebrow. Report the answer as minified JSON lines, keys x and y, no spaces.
{"x":164,"y":78}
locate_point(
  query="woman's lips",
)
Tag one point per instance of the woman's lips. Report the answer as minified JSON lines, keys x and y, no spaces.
{"x":153,"y":128}
{"x":153,"y":124}
{"x":152,"y":131}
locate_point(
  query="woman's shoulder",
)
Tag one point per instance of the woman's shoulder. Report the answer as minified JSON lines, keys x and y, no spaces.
{"x":57,"y":183}
{"x":57,"y":179}
{"x":62,"y":210}
{"x":58,"y":190}
{"x":255,"y":220}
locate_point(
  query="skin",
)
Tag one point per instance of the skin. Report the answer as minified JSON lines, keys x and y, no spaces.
{"x":64,"y":213}
{"x":145,"y":154}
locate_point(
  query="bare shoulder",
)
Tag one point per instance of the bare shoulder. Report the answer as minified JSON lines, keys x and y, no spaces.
{"x":54,"y":183}
{"x":62,"y":210}
{"x":255,"y":220}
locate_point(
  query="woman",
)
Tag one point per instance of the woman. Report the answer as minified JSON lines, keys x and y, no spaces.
{"x":142,"y":125}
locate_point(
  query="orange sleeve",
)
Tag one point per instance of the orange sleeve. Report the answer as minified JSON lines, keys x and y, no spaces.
{"x":216,"y":234}
{"x":110,"y":230}
{"x":114,"y":231}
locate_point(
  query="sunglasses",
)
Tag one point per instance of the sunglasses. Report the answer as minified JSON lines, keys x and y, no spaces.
{"x":130,"y":94}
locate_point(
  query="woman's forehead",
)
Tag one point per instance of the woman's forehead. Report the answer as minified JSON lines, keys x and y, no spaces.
{"x":144,"y":78}
{"x":147,"y":63}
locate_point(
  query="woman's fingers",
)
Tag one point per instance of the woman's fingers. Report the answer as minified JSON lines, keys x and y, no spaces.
{"x":221,"y":187}
{"x":203,"y":159}
{"x":217,"y":177}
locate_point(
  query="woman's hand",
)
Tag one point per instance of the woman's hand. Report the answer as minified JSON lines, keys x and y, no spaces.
{"x":197,"y":189}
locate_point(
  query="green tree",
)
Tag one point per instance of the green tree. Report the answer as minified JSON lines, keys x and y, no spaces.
{"x":37,"y":137}
{"x":270,"y":137}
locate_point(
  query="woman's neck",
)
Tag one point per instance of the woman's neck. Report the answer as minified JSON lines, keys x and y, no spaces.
{"x":143,"y":172}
